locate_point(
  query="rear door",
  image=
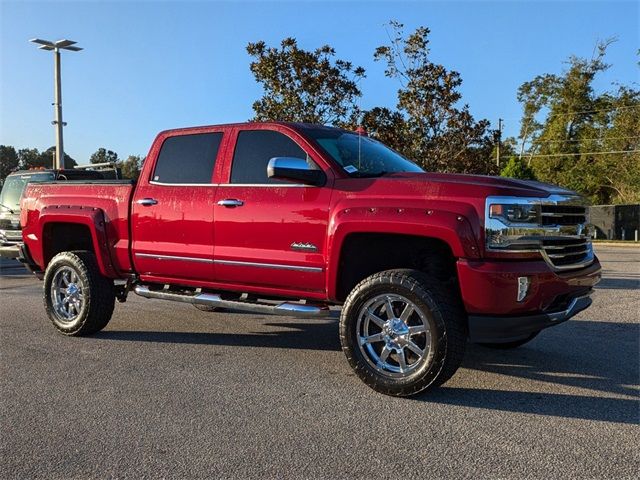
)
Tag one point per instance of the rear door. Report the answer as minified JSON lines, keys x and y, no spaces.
{"x":172,"y":214}
{"x":270,"y":233}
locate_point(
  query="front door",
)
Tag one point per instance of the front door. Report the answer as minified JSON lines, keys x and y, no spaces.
{"x":270,"y":233}
{"x":172,"y":214}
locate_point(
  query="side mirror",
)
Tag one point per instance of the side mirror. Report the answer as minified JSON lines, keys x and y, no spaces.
{"x":295,"y":170}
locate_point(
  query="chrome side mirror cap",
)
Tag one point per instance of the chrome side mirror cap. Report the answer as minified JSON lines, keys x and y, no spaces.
{"x":294,"y":169}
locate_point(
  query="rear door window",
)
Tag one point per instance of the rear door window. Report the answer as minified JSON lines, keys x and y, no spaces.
{"x":187,"y":159}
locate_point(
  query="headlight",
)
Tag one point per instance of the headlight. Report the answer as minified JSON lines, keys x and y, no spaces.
{"x":512,"y":213}
{"x":513,"y":223}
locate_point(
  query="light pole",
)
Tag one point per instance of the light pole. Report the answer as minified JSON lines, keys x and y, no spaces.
{"x":56,"y":47}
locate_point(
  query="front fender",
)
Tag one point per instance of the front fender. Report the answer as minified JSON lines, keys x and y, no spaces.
{"x":452,"y":228}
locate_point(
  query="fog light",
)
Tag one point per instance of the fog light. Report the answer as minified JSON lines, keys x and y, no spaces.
{"x":523,"y":287}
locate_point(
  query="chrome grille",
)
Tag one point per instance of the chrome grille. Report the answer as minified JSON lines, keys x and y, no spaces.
{"x":5,"y":223}
{"x":566,"y":253}
{"x":563,"y":214}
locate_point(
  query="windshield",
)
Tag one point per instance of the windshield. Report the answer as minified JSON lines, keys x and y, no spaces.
{"x":360,"y":156}
{"x":14,"y":185}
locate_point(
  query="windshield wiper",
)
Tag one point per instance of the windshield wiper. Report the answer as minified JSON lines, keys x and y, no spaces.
{"x":4,"y":206}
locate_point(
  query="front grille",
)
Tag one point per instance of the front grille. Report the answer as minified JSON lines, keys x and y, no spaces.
{"x":565,"y":253}
{"x":11,"y":236}
{"x":563,"y":215}
{"x":5,"y":223}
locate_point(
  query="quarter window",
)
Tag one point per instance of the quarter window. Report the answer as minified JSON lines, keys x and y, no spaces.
{"x":187,"y":158}
{"x":255,"y":148}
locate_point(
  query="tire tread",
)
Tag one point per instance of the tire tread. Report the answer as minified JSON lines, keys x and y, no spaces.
{"x":447,"y":307}
{"x":100,"y":301}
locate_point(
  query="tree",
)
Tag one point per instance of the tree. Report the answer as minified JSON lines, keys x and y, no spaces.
{"x":102,"y":155}
{"x":32,"y":158}
{"x":437,"y":132}
{"x":581,"y":139}
{"x":386,"y":125}
{"x":517,"y":168}
{"x":8,"y":160}
{"x":131,"y":166}
{"x":28,"y":157}
{"x":303,"y":86}
{"x":46,"y":159}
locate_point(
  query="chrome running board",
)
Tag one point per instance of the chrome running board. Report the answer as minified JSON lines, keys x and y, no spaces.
{"x":215,"y":300}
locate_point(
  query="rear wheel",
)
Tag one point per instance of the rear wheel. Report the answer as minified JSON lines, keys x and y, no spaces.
{"x":402,"y":332}
{"x":78,"y":299}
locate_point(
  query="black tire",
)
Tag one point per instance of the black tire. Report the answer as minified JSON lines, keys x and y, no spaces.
{"x":95,"y":300}
{"x":512,"y":344}
{"x":439,"y":310}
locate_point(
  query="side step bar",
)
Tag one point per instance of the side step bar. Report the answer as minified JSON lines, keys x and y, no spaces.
{"x":214,"y":300}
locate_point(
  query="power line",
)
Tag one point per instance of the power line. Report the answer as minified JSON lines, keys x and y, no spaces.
{"x":611,"y":109}
{"x":582,"y":139}
{"x":574,"y":154}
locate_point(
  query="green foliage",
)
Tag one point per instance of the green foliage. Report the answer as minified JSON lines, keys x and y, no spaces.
{"x":8,"y":160}
{"x":30,"y":157}
{"x":303,"y":86}
{"x":33,"y":158}
{"x":46,"y":159}
{"x":517,"y":168}
{"x":131,"y":166}
{"x":102,"y":155}
{"x":387,"y":126}
{"x":437,"y":131}
{"x":566,"y":120}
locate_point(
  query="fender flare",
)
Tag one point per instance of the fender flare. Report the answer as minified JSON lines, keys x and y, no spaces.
{"x":453,"y":229}
{"x":91,"y":217}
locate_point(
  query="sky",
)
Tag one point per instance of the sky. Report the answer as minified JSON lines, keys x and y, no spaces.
{"x":152,"y":65}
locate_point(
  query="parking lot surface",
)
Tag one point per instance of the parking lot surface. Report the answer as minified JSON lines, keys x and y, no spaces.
{"x":169,"y":391}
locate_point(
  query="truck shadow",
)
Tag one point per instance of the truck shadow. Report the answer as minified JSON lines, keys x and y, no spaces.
{"x":13,"y":268}
{"x":305,"y":336}
{"x":598,"y":357}
{"x":622,"y":283}
{"x":584,"y":407}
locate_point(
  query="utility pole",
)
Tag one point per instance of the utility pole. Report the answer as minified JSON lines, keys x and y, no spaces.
{"x":58,"y":123}
{"x":498,"y":143}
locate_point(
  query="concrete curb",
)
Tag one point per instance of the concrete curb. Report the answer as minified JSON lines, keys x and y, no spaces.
{"x":629,"y":244}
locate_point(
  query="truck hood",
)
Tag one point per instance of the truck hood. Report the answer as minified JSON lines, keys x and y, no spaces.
{"x":477,"y":185}
{"x":429,"y":187}
{"x":461,"y":194}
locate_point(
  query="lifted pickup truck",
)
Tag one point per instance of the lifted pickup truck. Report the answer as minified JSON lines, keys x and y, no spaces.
{"x":291,"y":219}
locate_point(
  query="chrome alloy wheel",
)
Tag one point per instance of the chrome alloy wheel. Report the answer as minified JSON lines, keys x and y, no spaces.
{"x":67,"y":295}
{"x":394,"y":335}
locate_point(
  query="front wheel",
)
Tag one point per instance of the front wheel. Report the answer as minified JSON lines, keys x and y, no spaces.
{"x":77,"y":298}
{"x":402,"y":332}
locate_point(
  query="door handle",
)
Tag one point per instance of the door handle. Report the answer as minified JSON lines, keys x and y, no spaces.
{"x":230,"y":203}
{"x":147,"y":202}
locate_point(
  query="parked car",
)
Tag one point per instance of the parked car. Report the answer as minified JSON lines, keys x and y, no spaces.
{"x":292,"y":219}
{"x":13,"y":187}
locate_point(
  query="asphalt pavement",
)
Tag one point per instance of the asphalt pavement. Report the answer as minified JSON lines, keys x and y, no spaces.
{"x":168,"y":391}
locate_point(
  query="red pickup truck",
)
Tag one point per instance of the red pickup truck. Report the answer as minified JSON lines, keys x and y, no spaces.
{"x":292,"y":219}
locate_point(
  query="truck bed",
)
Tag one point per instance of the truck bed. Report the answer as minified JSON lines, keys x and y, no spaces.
{"x":42,"y":201}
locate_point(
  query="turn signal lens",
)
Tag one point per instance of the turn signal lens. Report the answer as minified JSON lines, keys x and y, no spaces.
{"x":515,"y":213}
